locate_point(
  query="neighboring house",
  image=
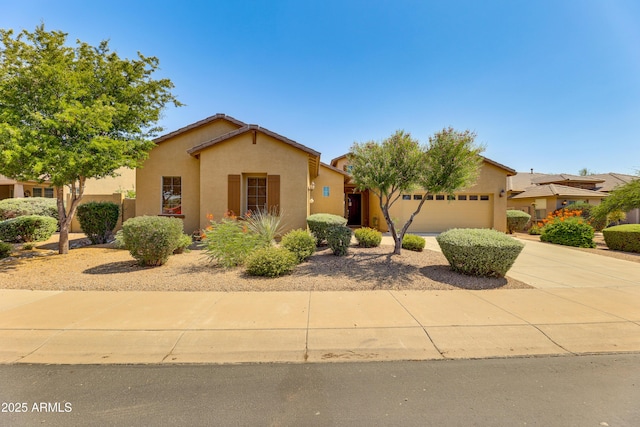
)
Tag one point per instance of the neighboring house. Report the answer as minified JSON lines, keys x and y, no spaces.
{"x":539,"y":194}
{"x":109,"y":189}
{"x":483,"y":205}
{"x":221,"y":164}
{"x":10,"y":188}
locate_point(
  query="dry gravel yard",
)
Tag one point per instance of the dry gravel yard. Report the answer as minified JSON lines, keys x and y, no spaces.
{"x":103,"y":268}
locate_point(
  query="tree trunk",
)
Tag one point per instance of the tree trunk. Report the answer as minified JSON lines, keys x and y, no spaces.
{"x":63,"y":238}
{"x":65,"y":218}
{"x":397,"y":240}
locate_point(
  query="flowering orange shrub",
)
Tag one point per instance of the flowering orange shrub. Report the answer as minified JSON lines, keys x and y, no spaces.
{"x":560,"y":216}
{"x":567,"y":227}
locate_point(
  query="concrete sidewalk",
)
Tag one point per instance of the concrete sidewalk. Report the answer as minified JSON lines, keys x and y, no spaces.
{"x":582,"y":304}
{"x":162,"y":327}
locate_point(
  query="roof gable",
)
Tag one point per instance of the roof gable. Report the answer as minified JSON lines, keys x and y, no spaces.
{"x":199,"y":124}
{"x":250,"y":128}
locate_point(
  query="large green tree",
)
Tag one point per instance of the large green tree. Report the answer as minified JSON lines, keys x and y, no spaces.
{"x":70,"y":113}
{"x":448,"y":163}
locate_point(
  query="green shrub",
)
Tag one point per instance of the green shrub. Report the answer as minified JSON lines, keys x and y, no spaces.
{"x":479,"y":252}
{"x":368,"y":237}
{"x":152,"y":239}
{"x":229,"y":242}
{"x":535,"y":230}
{"x":118,"y":241}
{"x":338,"y":239}
{"x":271,"y":261}
{"x":299,"y":242}
{"x":413,"y":243}
{"x":29,"y":228}
{"x":183,"y":243}
{"x":12,"y":208}
{"x":98,"y":220}
{"x":516,"y":220}
{"x":5,"y":249}
{"x":572,"y":231}
{"x":267,"y":225}
{"x":320,"y":223}
{"x":623,"y":237}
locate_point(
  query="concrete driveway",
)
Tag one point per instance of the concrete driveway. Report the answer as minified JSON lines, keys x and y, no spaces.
{"x":545,"y":266}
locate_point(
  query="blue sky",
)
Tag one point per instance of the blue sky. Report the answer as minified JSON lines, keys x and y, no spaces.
{"x":552,"y":85}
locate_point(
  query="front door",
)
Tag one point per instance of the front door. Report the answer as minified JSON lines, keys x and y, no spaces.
{"x":354,"y":209}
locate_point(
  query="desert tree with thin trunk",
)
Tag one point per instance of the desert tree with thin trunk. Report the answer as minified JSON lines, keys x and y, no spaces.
{"x":71,"y":113}
{"x":449,"y":162}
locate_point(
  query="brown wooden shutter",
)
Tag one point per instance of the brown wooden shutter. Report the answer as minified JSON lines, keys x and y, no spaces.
{"x":273,"y":192}
{"x":233,"y":194}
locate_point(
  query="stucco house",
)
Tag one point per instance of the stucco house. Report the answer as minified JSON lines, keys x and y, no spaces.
{"x":221,"y":164}
{"x":539,"y":193}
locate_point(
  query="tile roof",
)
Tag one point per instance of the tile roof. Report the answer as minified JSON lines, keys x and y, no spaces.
{"x":554,"y":179}
{"x":552,"y":190}
{"x":603,"y":181}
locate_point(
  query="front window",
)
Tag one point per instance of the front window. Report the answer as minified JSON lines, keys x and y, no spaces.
{"x":172,"y":195}
{"x":256,"y":194}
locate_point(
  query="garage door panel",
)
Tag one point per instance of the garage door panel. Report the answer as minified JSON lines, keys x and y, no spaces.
{"x":440,"y":215}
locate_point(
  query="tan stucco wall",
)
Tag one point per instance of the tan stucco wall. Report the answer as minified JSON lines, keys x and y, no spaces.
{"x":267,"y":157}
{"x":170,"y":158}
{"x":126,"y":180}
{"x":127,"y":208}
{"x":334,"y":204}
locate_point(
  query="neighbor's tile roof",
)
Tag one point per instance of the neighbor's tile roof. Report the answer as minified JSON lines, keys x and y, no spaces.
{"x":555,"y":179}
{"x":611,"y":180}
{"x":556,"y":190}
{"x":603,"y":181}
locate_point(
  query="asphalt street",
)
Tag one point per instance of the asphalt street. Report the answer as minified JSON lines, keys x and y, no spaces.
{"x":602,"y":390}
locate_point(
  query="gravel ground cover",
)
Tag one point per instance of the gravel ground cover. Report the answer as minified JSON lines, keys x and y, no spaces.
{"x":101,"y":267}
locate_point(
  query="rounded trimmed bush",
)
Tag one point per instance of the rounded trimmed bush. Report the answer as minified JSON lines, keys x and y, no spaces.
{"x":479,"y":252}
{"x":271,"y":261}
{"x":5,"y":249}
{"x":28,"y":228}
{"x":569,"y":232}
{"x":413,"y":242}
{"x":517,"y":220}
{"x":624,"y":237}
{"x":299,"y":242}
{"x":339,"y":239}
{"x":12,"y":208}
{"x":320,"y":223}
{"x":98,"y":220}
{"x":152,"y":239}
{"x":368,"y":237}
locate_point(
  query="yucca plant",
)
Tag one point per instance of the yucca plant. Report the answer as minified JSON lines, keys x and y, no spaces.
{"x":267,"y":224}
